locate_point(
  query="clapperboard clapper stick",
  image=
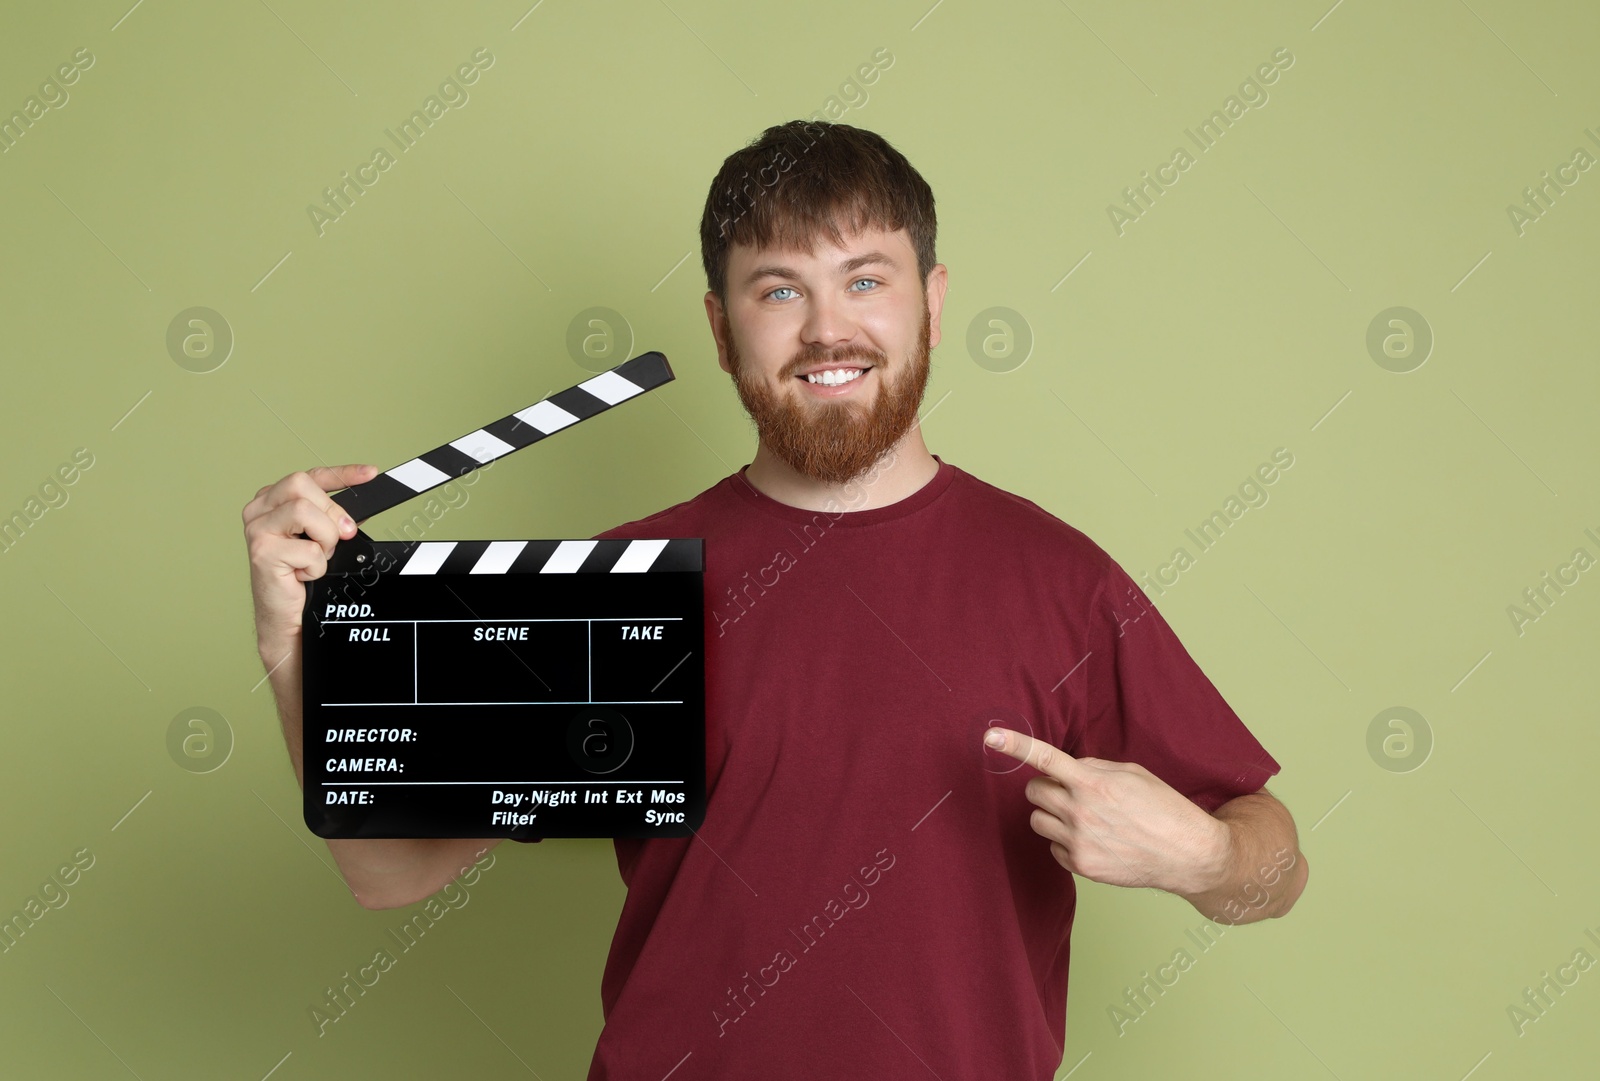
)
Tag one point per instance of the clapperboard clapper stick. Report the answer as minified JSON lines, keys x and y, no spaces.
{"x":478,"y":448}
{"x":506,"y":688}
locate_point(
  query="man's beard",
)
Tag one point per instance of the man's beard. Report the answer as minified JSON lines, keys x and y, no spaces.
{"x":832,"y":441}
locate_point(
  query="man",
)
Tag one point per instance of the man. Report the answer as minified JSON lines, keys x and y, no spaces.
{"x":874,"y":892}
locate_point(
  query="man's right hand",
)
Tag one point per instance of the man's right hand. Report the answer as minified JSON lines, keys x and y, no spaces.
{"x":281,"y":560}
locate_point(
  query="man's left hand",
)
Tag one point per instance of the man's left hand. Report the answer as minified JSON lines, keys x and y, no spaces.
{"x":1118,"y":823}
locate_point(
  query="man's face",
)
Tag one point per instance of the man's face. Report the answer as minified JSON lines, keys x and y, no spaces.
{"x":858,"y":313}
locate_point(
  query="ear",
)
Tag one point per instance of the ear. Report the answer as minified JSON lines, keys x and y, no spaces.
{"x":714,"y":314}
{"x":938,"y":281}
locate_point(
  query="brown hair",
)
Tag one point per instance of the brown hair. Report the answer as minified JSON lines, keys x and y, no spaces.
{"x":807,"y":178}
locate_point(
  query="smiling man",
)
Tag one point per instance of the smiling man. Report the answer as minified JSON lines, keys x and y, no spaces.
{"x":875,"y":892}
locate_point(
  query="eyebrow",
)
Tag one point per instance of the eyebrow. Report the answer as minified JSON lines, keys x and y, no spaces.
{"x":852,"y":264}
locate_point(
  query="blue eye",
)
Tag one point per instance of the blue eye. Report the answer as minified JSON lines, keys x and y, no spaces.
{"x":780,"y":289}
{"x":858,"y":281}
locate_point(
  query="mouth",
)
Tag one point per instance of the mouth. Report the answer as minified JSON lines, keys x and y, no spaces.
{"x":831,"y":382}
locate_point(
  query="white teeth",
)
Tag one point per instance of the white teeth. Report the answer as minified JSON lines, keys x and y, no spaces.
{"x":834,"y":376}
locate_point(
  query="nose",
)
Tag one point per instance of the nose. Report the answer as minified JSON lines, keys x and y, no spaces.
{"x":827,"y":324}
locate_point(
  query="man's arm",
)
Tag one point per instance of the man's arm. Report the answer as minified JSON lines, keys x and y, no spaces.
{"x":381,"y":872}
{"x":1257,"y":870}
{"x":1118,"y":823}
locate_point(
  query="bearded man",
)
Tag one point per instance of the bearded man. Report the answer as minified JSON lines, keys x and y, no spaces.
{"x":929,"y":701}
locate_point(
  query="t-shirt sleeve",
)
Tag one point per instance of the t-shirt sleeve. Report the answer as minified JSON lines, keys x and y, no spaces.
{"x":1149,"y":702}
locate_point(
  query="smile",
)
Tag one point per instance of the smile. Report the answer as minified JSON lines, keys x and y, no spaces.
{"x":834,"y":377}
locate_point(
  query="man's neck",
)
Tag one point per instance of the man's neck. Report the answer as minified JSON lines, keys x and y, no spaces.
{"x":906,"y":468}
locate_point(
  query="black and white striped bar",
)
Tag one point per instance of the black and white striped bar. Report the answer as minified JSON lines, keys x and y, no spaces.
{"x":661,"y":556}
{"x":521,"y":429}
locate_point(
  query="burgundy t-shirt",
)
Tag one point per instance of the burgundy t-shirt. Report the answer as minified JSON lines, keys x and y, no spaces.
{"x":866,"y":891}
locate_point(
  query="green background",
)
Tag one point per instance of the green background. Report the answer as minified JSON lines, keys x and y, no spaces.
{"x":1230,"y":320}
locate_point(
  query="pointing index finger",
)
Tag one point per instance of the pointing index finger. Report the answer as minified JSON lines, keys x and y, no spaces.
{"x":1042,"y":756}
{"x":334,"y":477}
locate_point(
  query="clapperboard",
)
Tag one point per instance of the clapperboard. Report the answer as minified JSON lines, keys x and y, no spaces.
{"x":534,"y":688}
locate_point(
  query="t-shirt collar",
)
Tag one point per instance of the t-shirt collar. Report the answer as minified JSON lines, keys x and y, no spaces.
{"x":841,"y":514}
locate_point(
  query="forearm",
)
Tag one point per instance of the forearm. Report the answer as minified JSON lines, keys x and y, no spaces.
{"x":382,"y":872}
{"x":1260,"y":871}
